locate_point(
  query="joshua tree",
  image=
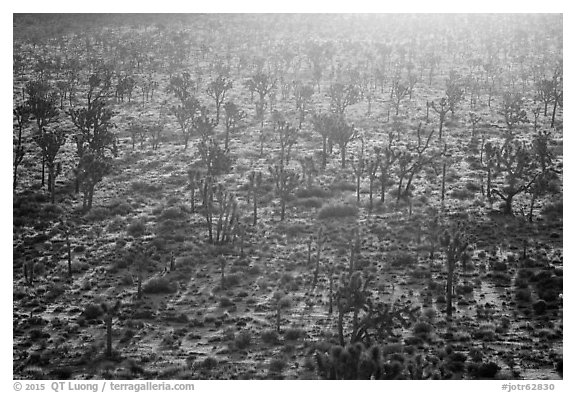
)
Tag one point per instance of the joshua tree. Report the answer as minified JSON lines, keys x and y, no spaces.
{"x":388,"y":158}
{"x":474,"y":120}
{"x":50,"y":143}
{"x":302,"y":95}
{"x":91,"y":171}
{"x":545,"y":92}
{"x":455,"y":243}
{"x":442,"y":109}
{"x":323,"y":124}
{"x":280,"y":302}
{"x":516,"y":162}
{"x":454,"y":91}
{"x":341,"y":134}
{"x":155,"y":131}
{"x":308,"y":170}
{"x":42,"y":106}
{"x":110,"y":312}
{"x":287,"y":136}
{"x":194,"y":179}
{"x":217,"y":90}
{"x":227,"y":213}
{"x":22,"y":117}
{"x":342,"y":96}
{"x":255,"y":179}
{"x":185,"y":115}
{"x":512,"y":110}
{"x":261,"y":83}
{"x":359,"y":168}
{"x":215,"y":159}
{"x":93,"y":137}
{"x":233,"y":118}
{"x":558,"y":93}
{"x":399,"y":92}
{"x":286,"y":181}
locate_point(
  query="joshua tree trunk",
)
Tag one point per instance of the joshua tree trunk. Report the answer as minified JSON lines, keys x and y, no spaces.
{"x":443,"y":181}
{"x":341,"y":325}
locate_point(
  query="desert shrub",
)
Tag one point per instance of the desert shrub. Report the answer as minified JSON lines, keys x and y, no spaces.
{"x":54,"y":291}
{"x":243,"y":339}
{"x":540,"y":307}
{"x":172,"y":213}
{"x":119,"y":208}
{"x":62,"y":373}
{"x":158,"y":285}
{"x":484,"y":370}
{"x":98,"y":213}
{"x":461,"y":194}
{"x":226,"y":302}
{"x":136,"y":228}
{"x":499,"y":266}
{"x":472,"y":186}
{"x":485,"y":332}
{"x":429,"y":314}
{"x":337,"y":211}
{"x":402,"y":258}
{"x":209,"y":363}
{"x":277,"y":365}
{"x":553,"y":210}
{"x":422,"y":328}
{"x":92,"y":311}
{"x":523,"y":295}
{"x":343,"y":186}
{"x":312,"y":192}
{"x":141,"y":187}
{"x":231,"y":280}
{"x":464,"y":289}
{"x":269,"y":336}
{"x":51,"y":211}
{"x":294,"y":334}
{"x":548,"y":287}
{"x":476,"y":354}
{"x":310,"y":203}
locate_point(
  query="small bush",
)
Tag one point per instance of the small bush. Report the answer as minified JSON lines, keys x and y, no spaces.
{"x":98,"y":214}
{"x":269,"y":336}
{"x":172,"y":213}
{"x":226,"y":302}
{"x":523,"y":295}
{"x":312,"y":192}
{"x":136,"y":228}
{"x":294,"y":334}
{"x":540,"y":307}
{"x":209,"y":363}
{"x":92,"y":311}
{"x":277,"y":365}
{"x":310,"y":203}
{"x":402,"y":259}
{"x":141,"y":187}
{"x":337,"y":211}
{"x":119,"y":208}
{"x":231,"y":280}
{"x":461,"y":194}
{"x":486,"y":370}
{"x":422,"y":328}
{"x":243,"y":339}
{"x":158,"y":285}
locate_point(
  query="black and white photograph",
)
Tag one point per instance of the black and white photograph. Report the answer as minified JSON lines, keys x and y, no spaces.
{"x":287,"y":196}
